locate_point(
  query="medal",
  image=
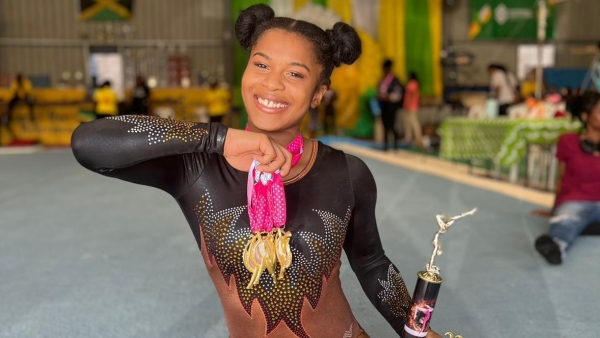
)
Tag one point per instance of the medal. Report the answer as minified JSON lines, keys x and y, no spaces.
{"x":269,"y":244}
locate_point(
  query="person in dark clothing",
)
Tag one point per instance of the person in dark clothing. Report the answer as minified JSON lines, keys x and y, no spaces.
{"x":328,"y":102}
{"x":503,"y":87}
{"x":21,"y":89}
{"x":391,"y":93}
{"x":141,"y":97}
{"x":213,"y":172}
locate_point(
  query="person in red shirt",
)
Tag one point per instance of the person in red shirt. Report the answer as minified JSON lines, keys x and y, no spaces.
{"x":412,"y":127}
{"x":577,"y":203}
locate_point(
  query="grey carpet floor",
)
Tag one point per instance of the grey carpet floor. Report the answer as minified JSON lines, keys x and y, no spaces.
{"x":82,"y":255}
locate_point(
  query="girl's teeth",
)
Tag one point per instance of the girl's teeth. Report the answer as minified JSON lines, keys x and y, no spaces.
{"x":270,"y":104}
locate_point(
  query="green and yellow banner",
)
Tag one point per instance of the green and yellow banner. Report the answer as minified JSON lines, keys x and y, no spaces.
{"x":508,"y":19}
{"x":410,"y":34}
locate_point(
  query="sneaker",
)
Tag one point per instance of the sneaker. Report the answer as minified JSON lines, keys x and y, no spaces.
{"x":549,"y":249}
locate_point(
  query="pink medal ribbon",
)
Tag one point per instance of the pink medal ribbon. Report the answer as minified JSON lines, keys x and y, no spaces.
{"x":268,"y":244}
{"x":266,"y":197}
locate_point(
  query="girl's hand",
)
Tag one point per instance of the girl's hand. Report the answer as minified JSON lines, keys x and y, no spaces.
{"x":242,"y":147}
{"x":542,"y":213}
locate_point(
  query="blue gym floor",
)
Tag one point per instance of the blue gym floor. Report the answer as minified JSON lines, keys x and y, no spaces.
{"x":82,"y":255}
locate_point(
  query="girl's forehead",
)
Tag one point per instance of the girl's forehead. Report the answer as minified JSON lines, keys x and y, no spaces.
{"x":281,"y":42}
{"x":281,"y":36}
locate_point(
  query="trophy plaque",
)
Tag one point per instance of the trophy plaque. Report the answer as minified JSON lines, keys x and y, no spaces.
{"x":428,"y":285}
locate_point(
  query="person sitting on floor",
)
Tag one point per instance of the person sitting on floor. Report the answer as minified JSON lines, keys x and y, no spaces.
{"x":577,"y":203}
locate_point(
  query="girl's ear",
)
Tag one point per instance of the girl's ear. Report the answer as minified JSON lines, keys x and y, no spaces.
{"x":318,"y":97}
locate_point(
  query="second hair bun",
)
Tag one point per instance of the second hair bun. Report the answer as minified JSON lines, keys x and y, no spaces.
{"x":345,"y":43}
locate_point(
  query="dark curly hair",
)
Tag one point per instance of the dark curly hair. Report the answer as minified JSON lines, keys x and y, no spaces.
{"x":584,"y":104}
{"x":332,"y":47}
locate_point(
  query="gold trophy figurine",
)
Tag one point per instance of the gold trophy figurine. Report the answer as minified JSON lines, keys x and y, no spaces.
{"x":444,"y":223}
{"x":428,"y":285}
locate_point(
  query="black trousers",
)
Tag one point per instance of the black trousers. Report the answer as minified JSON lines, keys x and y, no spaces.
{"x":388,"y":118}
{"x":329,"y":122}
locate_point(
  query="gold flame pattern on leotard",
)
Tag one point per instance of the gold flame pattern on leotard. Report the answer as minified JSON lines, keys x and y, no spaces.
{"x":281,"y":299}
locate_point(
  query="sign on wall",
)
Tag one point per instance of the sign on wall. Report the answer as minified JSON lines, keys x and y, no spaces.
{"x":528,"y":58}
{"x":108,"y":67}
{"x":507,"y":19}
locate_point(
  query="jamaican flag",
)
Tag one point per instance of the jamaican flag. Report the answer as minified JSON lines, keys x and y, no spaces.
{"x":106,"y":10}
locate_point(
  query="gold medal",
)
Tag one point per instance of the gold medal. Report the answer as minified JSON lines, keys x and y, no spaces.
{"x":263,"y":251}
{"x":259,"y":254}
{"x":282,"y":249}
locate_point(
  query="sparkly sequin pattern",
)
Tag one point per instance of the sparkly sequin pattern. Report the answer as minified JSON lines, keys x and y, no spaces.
{"x":349,"y":333}
{"x":281,"y":301}
{"x":395,"y":293}
{"x":162,"y":130}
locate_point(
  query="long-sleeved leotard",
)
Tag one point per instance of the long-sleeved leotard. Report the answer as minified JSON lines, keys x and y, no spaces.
{"x":330,"y":206}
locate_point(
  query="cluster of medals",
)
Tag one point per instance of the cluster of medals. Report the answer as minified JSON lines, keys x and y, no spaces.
{"x":264,"y":250}
{"x":269,"y":244}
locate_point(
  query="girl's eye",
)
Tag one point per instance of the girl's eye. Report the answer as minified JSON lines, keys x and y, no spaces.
{"x":298,"y":75}
{"x":261,"y":65}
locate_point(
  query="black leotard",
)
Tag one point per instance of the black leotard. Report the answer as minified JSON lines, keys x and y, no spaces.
{"x":330,"y":206}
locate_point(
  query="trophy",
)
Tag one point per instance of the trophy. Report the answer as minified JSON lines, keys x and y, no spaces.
{"x":428,"y":286}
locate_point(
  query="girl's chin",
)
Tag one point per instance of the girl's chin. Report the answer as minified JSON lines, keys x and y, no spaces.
{"x":267,"y":123}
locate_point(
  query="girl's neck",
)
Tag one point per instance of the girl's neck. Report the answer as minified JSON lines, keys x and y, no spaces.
{"x":281,"y":137}
{"x":592,"y":134}
{"x":285,"y":137}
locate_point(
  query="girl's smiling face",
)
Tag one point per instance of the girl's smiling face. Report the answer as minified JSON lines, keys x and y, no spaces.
{"x":281,"y":81}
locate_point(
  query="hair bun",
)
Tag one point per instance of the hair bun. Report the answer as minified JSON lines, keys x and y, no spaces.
{"x":248,"y":20}
{"x":584,"y":103}
{"x":345,"y":44}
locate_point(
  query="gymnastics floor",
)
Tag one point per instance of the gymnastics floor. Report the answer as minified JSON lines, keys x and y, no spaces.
{"x":82,"y":255}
